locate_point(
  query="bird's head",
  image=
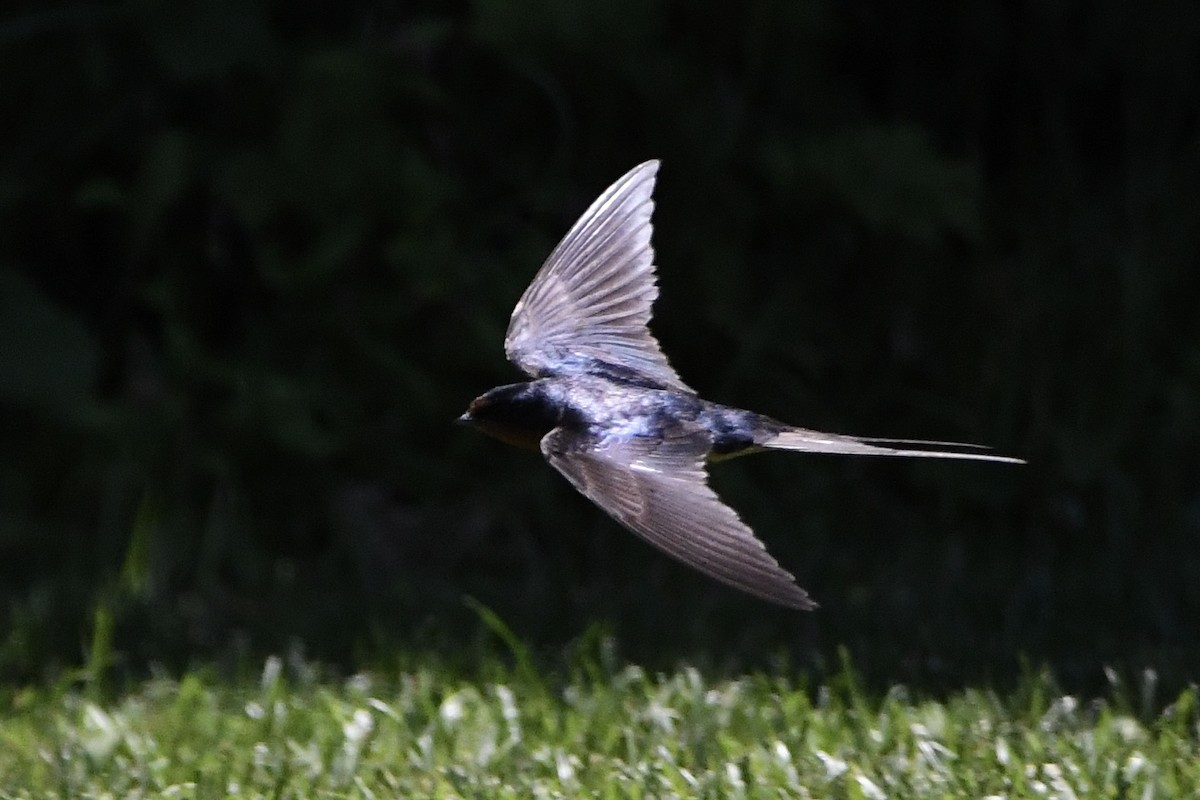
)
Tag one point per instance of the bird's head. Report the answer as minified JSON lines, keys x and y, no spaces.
{"x":484,"y":408}
{"x":517,"y":414}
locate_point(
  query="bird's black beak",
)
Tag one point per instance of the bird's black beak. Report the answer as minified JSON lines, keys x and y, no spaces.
{"x":464,"y":419}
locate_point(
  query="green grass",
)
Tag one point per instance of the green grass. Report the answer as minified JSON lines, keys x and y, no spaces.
{"x":592,"y":728}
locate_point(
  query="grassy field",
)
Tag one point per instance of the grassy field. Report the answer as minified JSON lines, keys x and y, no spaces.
{"x":592,"y":726}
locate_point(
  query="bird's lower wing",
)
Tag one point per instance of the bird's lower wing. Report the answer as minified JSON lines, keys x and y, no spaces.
{"x":658,"y":490}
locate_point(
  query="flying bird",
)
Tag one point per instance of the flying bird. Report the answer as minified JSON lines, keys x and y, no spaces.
{"x":607,"y":410}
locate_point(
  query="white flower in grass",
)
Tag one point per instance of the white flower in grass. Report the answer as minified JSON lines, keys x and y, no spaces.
{"x":453,"y":709}
{"x":272,"y":669}
{"x":101,"y":732}
{"x":733,"y":774}
{"x":661,"y":716}
{"x":1129,"y":729}
{"x":1003,"y":754}
{"x":510,"y":712}
{"x":1058,"y":782}
{"x":834,"y":767}
{"x":359,"y":727}
{"x":1133,"y":766}
{"x":383,"y":708}
{"x":508,"y":703}
{"x":564,"y":766}
{"x":359,"y":683}
{"x":870,"y":788}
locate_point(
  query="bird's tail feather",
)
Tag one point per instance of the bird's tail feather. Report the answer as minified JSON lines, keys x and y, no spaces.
{"x":803,"y":440}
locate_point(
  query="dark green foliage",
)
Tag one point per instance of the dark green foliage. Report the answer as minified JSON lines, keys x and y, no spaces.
{"x":255,"y":257}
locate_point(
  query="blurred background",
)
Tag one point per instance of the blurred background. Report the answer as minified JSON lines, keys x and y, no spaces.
{"x":256,"y":256}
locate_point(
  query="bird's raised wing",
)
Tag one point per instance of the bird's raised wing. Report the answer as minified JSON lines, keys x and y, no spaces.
{"x":591,"y":299}
{"x":658,"y":490}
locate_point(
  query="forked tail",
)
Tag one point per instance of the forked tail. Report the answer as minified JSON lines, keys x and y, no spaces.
{"x":803,"y":440}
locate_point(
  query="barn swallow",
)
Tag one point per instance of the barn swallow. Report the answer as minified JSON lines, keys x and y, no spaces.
{"x":608,"y":412}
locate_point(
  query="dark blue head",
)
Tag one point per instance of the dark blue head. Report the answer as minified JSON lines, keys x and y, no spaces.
{"x":519,"y":414}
